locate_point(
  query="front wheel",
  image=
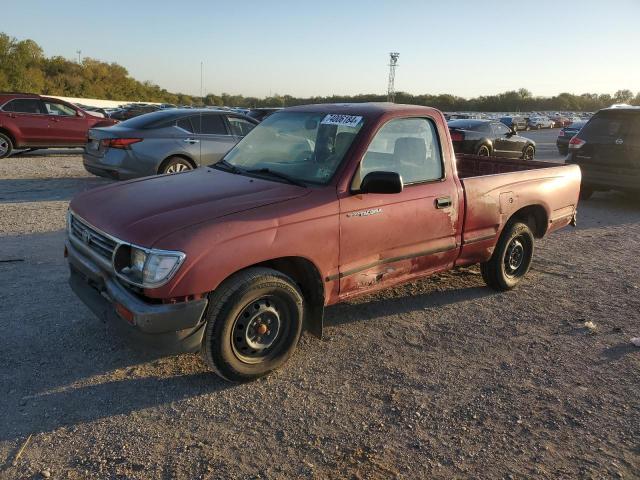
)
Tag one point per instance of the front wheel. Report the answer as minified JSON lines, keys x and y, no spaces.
{"x":529,"y":152}
{"x":6,"y":146}
{"x":254,"y":321}
{"x":511,"y":258}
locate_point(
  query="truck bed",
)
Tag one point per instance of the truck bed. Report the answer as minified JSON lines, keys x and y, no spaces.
{"x":476,"y":166}
{"x":544,"y":193}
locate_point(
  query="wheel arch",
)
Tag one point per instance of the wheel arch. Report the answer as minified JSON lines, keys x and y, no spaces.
{"x":535,"y":216}
{"x":177,"y":155}
{"x":9,"y":134}
{"x":307,"y":276}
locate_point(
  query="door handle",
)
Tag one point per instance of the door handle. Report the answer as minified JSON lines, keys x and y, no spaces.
{"x":619,"y":141}
{"x":191,"y":140}
{"x":443,"y":202}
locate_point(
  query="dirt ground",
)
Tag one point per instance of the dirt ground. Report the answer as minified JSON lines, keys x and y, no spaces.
{"x":441,"y":378}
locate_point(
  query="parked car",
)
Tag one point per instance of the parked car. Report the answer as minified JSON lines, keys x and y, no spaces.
{"x":488,"y":137}
{"x":560,"y":121}
{"x":516,"y":122}
{"x":132,"y":111}
{"x":29,"y":121}
{"x":261,"y":113}
{"x":318,"y":204}
{"x":166,"y":141}
{"x":607,"y":149}
{"x":540,"y":122}
{"x":566,"y":134}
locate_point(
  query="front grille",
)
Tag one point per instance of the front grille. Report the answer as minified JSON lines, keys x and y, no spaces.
{"x":96,"y":241}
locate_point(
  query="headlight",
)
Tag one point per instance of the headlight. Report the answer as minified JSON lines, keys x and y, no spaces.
{"x":144,"y":267}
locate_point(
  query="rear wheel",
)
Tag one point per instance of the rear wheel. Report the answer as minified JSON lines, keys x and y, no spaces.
{"x":176,"y":165}
{"x":6,"y":146}
{"x":483,"y":151}
{"x":529,"y":152}
{"x":511,"y":258}
{"x":254,"y":321}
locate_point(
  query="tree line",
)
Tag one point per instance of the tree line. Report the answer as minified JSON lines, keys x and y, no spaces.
{"x":25,"y":68}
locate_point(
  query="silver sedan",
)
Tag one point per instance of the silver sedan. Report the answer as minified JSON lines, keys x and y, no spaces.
{"x":167,"y":141}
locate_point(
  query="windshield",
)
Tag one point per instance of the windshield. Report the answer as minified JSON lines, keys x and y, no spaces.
{"x":304,"y":146}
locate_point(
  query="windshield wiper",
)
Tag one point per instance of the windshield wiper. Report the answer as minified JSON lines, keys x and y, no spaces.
{"x":273,"y":173}
{"x":229,"y":167}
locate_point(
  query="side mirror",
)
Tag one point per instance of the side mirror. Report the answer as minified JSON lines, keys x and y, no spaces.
{"x":381,"y":182}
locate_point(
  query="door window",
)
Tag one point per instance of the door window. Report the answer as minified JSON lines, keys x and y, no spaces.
{"x":500,"y":129}
{"x":185,"y":124}
{"x":239,"y":126}
{"x":408,"y":146}
{"x":59,"y":109}
{"x":23,"y":105}
{"x":208,"y":124}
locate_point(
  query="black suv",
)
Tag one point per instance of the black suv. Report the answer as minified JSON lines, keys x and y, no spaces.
{"x":608,"y":151}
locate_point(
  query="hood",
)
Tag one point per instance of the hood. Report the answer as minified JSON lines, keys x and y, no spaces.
{"x":145,"y":210}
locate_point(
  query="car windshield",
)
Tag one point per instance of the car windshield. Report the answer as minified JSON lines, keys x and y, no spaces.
{"x":303,"y":146}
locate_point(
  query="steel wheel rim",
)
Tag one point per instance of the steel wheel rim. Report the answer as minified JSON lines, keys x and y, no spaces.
{"x":515,"y":256}
{"x":259,"y":329}
{"x":4,"y":147}
{"x":483,"y":152}
{"x":178,"y":167}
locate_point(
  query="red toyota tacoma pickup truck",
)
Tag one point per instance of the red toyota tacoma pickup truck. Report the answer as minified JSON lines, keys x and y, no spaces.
{"x":34,"y":122}
{"x":316,"y":205}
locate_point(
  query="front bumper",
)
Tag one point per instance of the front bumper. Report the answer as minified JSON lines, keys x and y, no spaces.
{"x":171,"y":328}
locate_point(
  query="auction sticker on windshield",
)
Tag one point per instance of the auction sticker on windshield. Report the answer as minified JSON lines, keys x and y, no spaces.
{"x":344,"y":120}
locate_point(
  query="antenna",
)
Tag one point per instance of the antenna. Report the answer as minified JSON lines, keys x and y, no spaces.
{"x":393,"y":63}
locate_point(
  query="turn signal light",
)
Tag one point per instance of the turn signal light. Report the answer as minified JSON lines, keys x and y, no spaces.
{"x":576,"y":143}
{"x":119,"y":142}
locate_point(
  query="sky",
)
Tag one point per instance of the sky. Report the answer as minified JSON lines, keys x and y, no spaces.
{"x":304,"y":48}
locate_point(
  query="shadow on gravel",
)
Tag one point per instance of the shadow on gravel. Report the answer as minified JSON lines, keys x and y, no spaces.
{"x":43,"y":152}
{"x":61,"y":366}
{"x":355,"y":312}
{"x":46,"y":189}
{"x":612,"y":208}
{"x":616,"y":352}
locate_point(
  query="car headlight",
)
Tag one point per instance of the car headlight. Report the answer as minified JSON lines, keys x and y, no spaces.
{"x":145,"y":267}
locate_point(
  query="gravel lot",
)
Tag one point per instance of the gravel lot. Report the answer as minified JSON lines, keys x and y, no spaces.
{"x":442,"y":378}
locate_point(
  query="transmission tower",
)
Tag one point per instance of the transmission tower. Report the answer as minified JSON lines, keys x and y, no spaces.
{"x":393,"y":63}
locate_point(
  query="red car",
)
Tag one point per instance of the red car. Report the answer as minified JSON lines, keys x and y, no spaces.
{"x":33,"y":122}
{"x":317,"y":204}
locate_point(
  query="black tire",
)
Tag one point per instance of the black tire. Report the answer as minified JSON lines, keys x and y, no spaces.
{"x":585,"y":192}
{"x":539,"y":126}
{"x":175,"y":165}
{"x":483,"y":151}
{"x":241,"y":311}
{"x":6,"y":146}
{"x":529,"y":152}
{"x":511,"y":258}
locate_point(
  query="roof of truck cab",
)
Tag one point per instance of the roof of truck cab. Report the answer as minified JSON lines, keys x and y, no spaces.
{"x":371,"y":109}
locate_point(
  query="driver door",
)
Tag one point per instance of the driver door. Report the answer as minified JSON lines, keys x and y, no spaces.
{"x":390,"y":237}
